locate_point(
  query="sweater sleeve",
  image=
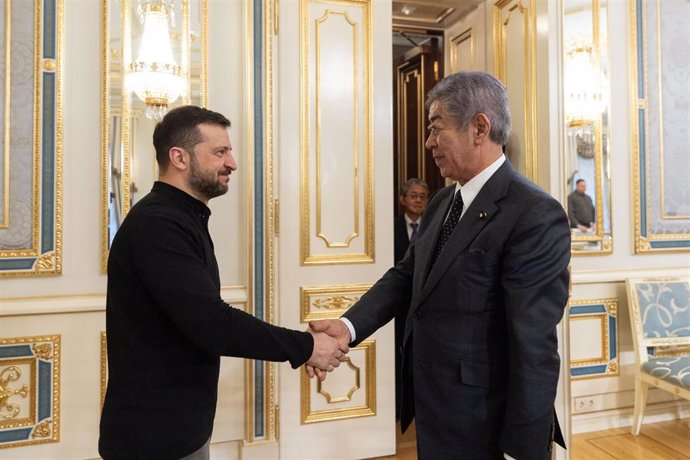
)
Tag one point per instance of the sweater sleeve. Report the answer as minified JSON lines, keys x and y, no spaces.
{"x":170,"y":265}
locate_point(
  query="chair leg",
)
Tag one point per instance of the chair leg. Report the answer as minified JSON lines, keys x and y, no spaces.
{"x":641,"y":391}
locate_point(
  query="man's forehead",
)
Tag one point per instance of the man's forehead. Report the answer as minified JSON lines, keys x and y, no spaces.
{"x":436,"y":111}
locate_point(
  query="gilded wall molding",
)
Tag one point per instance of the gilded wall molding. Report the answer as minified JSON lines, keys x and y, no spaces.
{"x":456,"y":42}
{"x":121,"y":112}
{"x":504,"y":12}
{"x":29,"y":390}
{"x":661,"y":210}
{"x":31,"y":221}
{"x":325,"y":302}
{"x":351,"y":240}
{"x":603,"y":314}
{"x":342,"y":406}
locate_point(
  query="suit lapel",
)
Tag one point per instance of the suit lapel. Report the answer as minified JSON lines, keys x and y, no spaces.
{"x":480,"y":212}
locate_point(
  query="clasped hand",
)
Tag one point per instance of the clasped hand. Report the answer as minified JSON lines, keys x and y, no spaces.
{"x":331,"y":339}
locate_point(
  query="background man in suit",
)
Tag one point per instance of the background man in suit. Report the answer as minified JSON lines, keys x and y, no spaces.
{"x":414,"y":196}
{"x":581,"y":208}
{"x":486,"y":281}
{"x":166,"y":323}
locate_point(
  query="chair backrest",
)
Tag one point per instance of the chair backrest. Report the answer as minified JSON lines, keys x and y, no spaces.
{"x":659,"y":312}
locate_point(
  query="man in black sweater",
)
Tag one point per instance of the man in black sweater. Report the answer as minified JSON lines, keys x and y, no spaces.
{"x":166,"y":323}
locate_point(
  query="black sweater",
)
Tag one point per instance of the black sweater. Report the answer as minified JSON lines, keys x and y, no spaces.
{"x":167,"y":327}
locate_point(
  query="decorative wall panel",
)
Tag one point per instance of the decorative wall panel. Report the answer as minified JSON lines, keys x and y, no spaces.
{"x":593,"y":338}
{"x":348,"y":392}
{"x":515,"y":66}
{"x":337,"y":224}
{"x":462,"y":52}
{"x":660,"y":113}
{"x":29,"y":390}
{"x":31,"y":158}
{"x":322,"y":302}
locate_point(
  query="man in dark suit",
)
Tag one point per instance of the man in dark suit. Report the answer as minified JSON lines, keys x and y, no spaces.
{"x":414,"y":196}
{"x":486,"y":281}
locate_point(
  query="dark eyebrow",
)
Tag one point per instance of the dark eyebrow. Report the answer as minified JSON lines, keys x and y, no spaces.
{"x":434,"y":118}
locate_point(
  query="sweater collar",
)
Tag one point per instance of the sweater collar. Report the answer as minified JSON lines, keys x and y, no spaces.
{"x":197,"y":206}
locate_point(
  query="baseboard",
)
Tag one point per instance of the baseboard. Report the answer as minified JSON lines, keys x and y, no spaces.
{"x":618,"y":418}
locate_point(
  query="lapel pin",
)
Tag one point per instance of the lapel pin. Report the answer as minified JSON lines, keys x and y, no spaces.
{"x":482,"y":215}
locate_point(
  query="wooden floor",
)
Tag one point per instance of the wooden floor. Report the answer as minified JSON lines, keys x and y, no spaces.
{"x":662,"y":441}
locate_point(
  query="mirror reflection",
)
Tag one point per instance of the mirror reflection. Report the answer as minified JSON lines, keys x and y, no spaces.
{"x":587,"y":174}
{"x":154,"y":60}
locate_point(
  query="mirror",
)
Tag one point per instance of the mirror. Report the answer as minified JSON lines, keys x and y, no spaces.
{"x":154,"y":59}
{"x":585,"y":104}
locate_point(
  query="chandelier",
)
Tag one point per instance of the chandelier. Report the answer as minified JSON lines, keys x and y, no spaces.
{"x":583,"y":87}
{"x":154,"y":76}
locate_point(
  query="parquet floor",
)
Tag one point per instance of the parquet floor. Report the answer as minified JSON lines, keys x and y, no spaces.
{"x":657,"y":441}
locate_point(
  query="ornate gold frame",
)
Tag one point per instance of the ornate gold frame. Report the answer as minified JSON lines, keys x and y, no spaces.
{"x":307,"y":257}
{"x":645,"y":240}
{"x":341,"y":298}
{"x":369,"y":408}
{"x":41,"y":350}
{"x":45,"y":255}
{"x":608,"y":315}
{"x":126,"y":110}
{"x":500,"y":68}
{"x":606,"y":241}
{"x":455,"y":41}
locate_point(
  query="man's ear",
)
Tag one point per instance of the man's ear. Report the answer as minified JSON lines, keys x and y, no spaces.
{"x":179,"y":158}
{"x":482,"y":127}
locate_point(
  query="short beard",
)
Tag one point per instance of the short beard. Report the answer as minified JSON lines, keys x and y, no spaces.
{"x":205,"y":184}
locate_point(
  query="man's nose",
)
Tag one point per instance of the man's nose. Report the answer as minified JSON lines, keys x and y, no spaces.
{"x":230,"y":162}
{"x":430,"y":142}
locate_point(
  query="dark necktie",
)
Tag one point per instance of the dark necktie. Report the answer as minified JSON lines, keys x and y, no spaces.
{"x":414,"y":226}
{"x":448,"y":225}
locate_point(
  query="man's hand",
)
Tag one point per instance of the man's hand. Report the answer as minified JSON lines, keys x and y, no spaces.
{"x":327,"y":354}
{"x":336,"y":329}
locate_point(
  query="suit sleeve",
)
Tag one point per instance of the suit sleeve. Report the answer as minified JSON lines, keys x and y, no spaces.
{"x":535,"y":284}
{"x":176,"y":277}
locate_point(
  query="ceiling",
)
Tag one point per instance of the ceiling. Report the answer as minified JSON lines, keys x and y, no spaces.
{"x":430,"y":14}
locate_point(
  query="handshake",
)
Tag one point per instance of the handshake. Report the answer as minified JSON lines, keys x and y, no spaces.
{"x":331,"y":339}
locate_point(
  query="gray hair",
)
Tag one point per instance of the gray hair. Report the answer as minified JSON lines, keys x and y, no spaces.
{"x":465,"y":94}
{"x":411,"y":183}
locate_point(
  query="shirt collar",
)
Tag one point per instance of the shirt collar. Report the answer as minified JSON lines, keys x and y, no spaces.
{"x":409,"y":221}
{"x":195,"y":205}
{"x":471,"y":189}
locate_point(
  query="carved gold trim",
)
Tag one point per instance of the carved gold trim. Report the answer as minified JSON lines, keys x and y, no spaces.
{"x":347,"y":397}
{"x":355,"y":135}
{"x":308,"y":415}
{"x":367,"y":256}
{"x":45,"y":348}
{"x":610,"y":305}
{"x":530,"y":71}
{"x":9,"y":411}
{"x":5,"y":223}
{"x":643,"y":243}
{"x":455,"y":42}
{"x":126,"y":111}
{"x":340,"y":299}
{"x":104,"y":366}
{"x":270,"y":217}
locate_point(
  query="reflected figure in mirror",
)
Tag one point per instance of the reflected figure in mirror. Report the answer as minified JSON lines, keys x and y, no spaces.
{"x":581,"y":208}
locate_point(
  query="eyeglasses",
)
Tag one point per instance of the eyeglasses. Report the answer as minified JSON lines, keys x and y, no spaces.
{"x":418,"y":196}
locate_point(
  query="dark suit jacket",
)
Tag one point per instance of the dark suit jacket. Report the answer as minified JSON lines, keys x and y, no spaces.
{"x":480,"y":348}
{"x":401,"y":240}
